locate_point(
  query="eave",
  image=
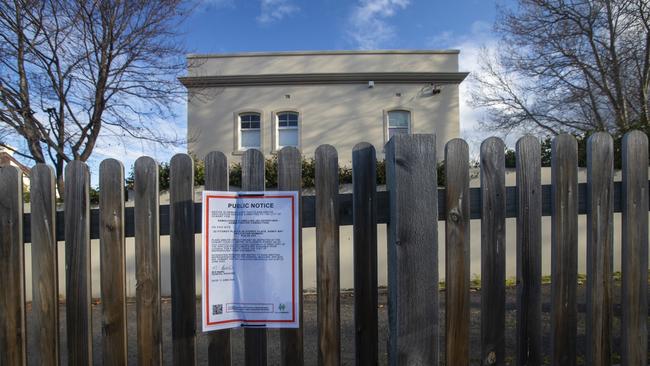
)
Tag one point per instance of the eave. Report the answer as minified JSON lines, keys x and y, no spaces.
{"x":323,"y":78}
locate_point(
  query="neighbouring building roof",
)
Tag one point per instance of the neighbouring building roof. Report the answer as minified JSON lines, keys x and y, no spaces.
{"x":7,"y":159}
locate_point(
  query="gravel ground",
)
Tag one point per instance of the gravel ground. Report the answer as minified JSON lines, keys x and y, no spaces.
{"x":347,"y":330}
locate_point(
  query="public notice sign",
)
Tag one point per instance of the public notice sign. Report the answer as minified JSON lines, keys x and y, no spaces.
{"x":250,"y":260}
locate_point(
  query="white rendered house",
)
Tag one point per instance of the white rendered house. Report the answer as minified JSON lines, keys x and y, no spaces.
{"x":305,"y":99}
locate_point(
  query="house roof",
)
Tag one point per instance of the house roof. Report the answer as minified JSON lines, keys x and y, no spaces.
{"x":6,"y":159}
{"x":324,"y":53}
{"x":323,"y":67}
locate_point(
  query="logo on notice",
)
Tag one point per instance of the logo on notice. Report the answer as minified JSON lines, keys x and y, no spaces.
{"x":282,"y":307}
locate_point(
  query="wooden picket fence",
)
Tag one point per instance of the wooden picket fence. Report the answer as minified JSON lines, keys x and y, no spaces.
{"x":411,"y":207}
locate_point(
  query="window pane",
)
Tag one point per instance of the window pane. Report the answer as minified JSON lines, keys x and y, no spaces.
{"x":399,"y":119}
{"x":288,"y":137}
{"x":250,"y":138}
{"x":249,"y":120}
{"x":249,"y":117}
{"x":288,"y":119}
{"x":397,"y":131}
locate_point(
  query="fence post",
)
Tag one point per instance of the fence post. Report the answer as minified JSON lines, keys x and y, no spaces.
{"x":457,"y":263}
{"x":216,"y":179}
{"x":253,"y":180}
{"x":529,"y":251}
{"x":45,"y":287}
{"x":147,"y":261}
{"x":600,"y":172}
{"x":112,"y":262}
{"x":634,"y":263}
{"x":12,"y":269}
{"x":364,"y":181}
{"x":412,"y":250}
{"x":327,"y":252}
{"x":564,"y":249}
{"x":77,"y":259}
{"x":290,"y":179}
{"x":183,"y":280}
{"x":493,"y":256}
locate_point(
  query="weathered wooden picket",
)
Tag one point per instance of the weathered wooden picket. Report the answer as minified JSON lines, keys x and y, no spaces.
{"x":411,"y":207}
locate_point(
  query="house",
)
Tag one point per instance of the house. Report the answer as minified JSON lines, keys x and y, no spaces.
{"x":7,"y":158}
{"x":274,"y":99}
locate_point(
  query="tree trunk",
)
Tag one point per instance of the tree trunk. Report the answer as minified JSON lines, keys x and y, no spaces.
{"x":60,"y":184}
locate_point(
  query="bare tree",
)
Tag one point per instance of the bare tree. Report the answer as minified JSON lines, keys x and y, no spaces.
{"x":568,"y":66}
{"x":71,"y":70}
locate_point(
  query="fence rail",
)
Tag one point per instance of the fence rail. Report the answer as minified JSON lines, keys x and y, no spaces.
{"x":411,"y":206}
{"x":346,"y":214}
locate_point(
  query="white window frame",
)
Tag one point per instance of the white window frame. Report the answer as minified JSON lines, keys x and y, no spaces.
{"x":387,"y":127}
{"x":240,"y":129}
{"x":277,"y":128}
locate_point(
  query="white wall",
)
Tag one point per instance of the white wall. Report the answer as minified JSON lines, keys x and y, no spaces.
{"x":347,"y":281}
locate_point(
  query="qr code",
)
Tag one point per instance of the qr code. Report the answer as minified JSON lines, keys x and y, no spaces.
{"x":217,"y":309}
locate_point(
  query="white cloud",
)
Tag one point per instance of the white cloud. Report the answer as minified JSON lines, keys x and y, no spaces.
{"x":368,"y":27}
{"x":470,"y":45}
{"x":274,"y":10}
{"x":114,"y":144}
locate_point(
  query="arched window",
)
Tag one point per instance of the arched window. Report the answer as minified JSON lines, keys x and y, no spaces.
{"x":288,"y":129}
{"x":399,"y":121}
{"x":249,"y":131}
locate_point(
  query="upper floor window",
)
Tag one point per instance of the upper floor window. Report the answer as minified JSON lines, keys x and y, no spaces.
{"x":249,"y":131}
{"x":288,"y":133}
{"x":398,"y":122}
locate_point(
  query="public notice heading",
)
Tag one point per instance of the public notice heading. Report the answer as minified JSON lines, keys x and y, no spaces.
{"x":250,"y":260}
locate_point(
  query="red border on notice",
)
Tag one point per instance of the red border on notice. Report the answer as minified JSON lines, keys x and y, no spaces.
{"x":293,"y":261}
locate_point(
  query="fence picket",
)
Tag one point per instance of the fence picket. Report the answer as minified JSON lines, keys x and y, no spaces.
{"x":600,"y":173}
{"x":634,"y":263}
{"x":112,"y":262}
{"x":327,"y":256}
{"x":12,"y":276}
{"x":290,"y":179}
{"x":493,"y":260}
{"x":412,"y":250}
{"x":181,"y":239}
{"x":77,"y":259}
{"x":45,"y":287}
{"x":410,"y":207}
{"x":457,"y":263}
{"x":564,"y":249}
{"x":364,"y":182}
{"x":529,"y":251}
{"x":253,"y":180}
{"x":147,"y":262}
{"x":216,"y":179}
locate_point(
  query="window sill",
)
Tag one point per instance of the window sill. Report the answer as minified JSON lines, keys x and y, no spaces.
{"x":241,"y":152}
{"x":276,"y":151}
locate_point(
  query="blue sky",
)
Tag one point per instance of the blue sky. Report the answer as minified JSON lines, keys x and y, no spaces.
{"x":228,"y":26}
{"x":219,"y":26}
